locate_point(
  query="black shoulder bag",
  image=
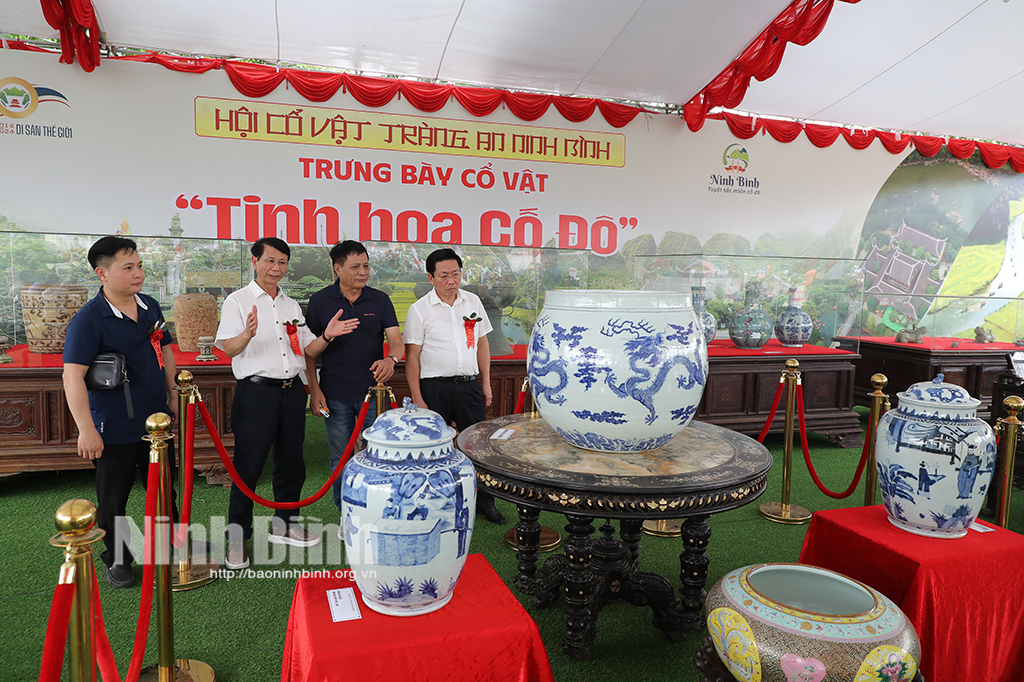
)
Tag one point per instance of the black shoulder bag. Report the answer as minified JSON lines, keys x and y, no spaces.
{"x":109,"y":371}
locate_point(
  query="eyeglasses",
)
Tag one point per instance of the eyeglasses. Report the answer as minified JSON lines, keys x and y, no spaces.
{"x":273,"y":261}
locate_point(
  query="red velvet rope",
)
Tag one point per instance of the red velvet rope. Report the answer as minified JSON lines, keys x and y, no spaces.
{"x":248,"y":492}
{"x":807,"y":452}
{"x":520,"y":401}
{"x":180,"y":534}
{"x":148,"y":575}
{"x":57,"y":632}
{"x":772,"y":410}
{"x":104,"y":654}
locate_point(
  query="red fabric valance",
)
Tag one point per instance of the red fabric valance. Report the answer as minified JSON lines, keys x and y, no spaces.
{"x":993,"y":155}
{"x":257,"y":80}
{"x":799,"y":23}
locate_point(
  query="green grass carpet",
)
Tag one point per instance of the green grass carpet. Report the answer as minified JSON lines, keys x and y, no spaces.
{"x":238,"y":626}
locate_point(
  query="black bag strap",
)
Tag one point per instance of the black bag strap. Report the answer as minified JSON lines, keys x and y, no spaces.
{"x":128,"y":400}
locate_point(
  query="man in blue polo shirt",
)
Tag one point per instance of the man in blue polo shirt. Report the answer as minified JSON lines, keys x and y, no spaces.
{"x":118,"y":320}
{"x":350,"y":321}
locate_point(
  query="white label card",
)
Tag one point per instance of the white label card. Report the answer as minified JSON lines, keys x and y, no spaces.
{"x":502,"y":434}
{"x":980,"y":528}
{"x":344,"y":604}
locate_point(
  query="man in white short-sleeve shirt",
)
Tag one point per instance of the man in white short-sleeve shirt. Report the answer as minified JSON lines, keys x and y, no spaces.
{"x":259,"y":331}
{"x":446,"y":347}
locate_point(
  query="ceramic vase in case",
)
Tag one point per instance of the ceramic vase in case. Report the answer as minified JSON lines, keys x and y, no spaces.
{"x":617,"y":371}
{"x":750,"y":326}
{"x":797,"y":623}
{"x":707,"y":321}
{"x":793,"y":326}
{"x":407,"y":512}
{"x":935,"y":460}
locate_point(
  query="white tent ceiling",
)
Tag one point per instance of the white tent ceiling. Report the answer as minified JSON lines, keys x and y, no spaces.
{"x":940,"y":67}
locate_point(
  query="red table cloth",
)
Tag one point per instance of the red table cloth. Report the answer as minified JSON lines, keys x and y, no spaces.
{"x":965,"y":597}
{"x":724,"y":348}
{"x":483,"y":633}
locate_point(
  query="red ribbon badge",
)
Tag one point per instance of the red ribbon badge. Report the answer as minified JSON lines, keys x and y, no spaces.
{"x":470,"y":323}
{"x":156,"y":335}
{"x":293,"y":335}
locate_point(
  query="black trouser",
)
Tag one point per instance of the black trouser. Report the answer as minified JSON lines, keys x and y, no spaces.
{"x":263,"y":416}
{"x":115,"y":475}
{"x":462,"y":403}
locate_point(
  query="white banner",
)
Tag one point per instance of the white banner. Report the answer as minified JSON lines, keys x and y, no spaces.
{"x":127,"y":147}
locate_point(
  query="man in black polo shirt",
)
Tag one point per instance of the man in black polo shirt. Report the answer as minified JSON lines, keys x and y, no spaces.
{"x":351,"y":322}
{"x":118,"y":320}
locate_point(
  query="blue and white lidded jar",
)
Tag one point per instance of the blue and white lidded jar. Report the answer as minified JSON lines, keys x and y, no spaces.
{"x":793,"y":326}
{"x":407,"y":512}
{"x":617,"y":371}
{"x":935,"y":460}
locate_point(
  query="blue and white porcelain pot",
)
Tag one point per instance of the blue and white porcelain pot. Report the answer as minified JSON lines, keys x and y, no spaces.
{"x":617,"y":371}
{"x":407,"y":512}
{"x":935,"y":460}
{"x":793,"y":326}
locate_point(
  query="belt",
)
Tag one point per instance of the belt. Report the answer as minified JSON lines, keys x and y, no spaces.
{"x":454,"y":380}
{"x":267,"y":381}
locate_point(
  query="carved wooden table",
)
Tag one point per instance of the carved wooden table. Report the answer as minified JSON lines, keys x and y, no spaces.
{"x":705,"y":470}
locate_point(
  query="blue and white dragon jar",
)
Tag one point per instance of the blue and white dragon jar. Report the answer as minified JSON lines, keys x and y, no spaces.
{"x":617,"y":371}
{"x":407,"y":512}
{"x":935,"y":460}
{"x":793,"y":326}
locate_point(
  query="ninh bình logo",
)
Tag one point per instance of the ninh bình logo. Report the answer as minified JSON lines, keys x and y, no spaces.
{"x":735,"y":159}
{"x":19,"y":98}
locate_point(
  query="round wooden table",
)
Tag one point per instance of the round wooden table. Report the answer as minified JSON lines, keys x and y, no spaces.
{"x":704,"y":470}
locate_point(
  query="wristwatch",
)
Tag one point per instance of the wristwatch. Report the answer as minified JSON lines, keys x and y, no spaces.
{"x":395,"y":359}
{"x":327,"y":340}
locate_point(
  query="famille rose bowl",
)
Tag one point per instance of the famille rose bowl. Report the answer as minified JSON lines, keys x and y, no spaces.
{"x":798,"y":623}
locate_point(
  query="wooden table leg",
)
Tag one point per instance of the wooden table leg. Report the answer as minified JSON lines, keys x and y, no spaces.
{"x":578,"y":589}
{"x":693,"y":570}
{"x":527,"y":544}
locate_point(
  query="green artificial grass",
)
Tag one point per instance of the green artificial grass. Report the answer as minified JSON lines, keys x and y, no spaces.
{"x":238,"y":626}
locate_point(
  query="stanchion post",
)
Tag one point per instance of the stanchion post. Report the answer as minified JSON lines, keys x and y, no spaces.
{"x":167,"y":668}
{"x":188,"y":576}
{"x":1008,"y":428}
{"x":785,"y":512}
{"x":380,"y":396}
{"x":76,"y":521}
{"x":879,"y":381}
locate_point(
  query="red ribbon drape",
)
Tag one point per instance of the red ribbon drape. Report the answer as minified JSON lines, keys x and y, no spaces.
{"x":799,"y":23}
{"x":993,"y":155}
{"x":76,"y":21}
{"x":57,"y":632}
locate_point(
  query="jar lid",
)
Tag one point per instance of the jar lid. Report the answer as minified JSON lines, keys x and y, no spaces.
{"x":938,"y":392}
{"x":409,"y":424}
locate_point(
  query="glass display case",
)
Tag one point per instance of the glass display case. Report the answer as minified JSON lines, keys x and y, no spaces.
{"x":41,"y":271}
{"x":941,"y":321}
{"x":829,"y":290}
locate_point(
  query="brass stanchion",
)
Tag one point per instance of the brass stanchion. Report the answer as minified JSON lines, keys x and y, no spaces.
{"x":784,"y":512}
{"x":1008,"y":432}
{"x":76,"y":521}
{"x":877,"y":410}
{"x":380,"y":395}
{"x":550,"y":539}
{"x":167,"y":668}
{"x":189,"y":574}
